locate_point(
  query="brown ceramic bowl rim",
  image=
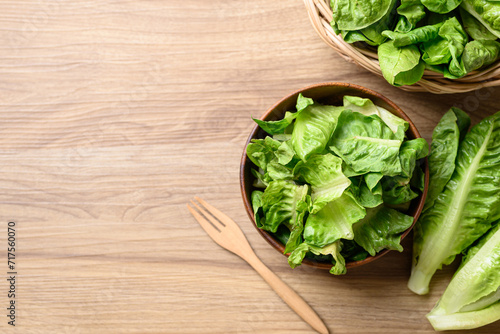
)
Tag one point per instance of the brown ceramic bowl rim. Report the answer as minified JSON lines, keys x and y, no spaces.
{"x":245,"y":163}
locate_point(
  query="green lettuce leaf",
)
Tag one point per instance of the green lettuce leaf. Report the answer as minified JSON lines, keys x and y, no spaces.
{"x":465,"y":209}
{"x":313,"y":129}
{"x":410,"y":152}
{"x":380,"y":229}
{"x":367,"y":108}
{"x":366,"y":144}
{"x":256,"y":198}
{"x":400,"y":66}
{"x":282,"y":202}
{"x":480,"y":53}
{"x":448,"y":47}
{"x":441,"y":6}
{"x":333,"y":222}
{"x":278,"y":127}
{"x":472,"y":299}
{"x":358,"y":14}
{"x":413,"y":11}
{"x":324,"y":174}
{"x":415,"y":36}
{"x":333,"y":249}
{"x":474,"y":28}
{"x":367,"y":189}
{"x":444,"y":147}
{"x":486,"y":12}
{"x":397,"y":190}
{"x":261,"y":151}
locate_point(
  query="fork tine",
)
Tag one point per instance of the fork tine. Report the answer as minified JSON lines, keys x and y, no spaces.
{"x":217,"y":224}
{"x":221,"y":216}
{"x":209,"y":228}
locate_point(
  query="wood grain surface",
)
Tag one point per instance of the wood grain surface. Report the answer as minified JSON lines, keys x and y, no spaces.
{"x":113,"y":114}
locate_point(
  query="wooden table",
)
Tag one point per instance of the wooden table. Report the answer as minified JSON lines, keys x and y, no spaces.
{"x":114,"y":114}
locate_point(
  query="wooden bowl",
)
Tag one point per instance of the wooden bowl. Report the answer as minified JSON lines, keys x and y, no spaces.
{"x":326,"y":93}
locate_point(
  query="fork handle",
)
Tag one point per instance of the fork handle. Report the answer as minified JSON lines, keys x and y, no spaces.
{"x":286,"y":293}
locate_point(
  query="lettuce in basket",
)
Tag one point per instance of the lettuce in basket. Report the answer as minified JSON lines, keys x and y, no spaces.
{"x":451,"y":37}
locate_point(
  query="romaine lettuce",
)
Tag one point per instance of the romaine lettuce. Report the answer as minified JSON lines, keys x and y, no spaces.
{"x":465,"y":209}
{"x":472,"y":299}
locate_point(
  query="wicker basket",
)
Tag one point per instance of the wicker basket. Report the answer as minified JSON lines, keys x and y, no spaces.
{"x":320,"y":15}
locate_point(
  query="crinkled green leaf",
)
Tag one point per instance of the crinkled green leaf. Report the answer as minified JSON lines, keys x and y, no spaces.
{"x":486,"y":12}
{"x":367,"y":189}
{"x":441,"y":6}
{"x":418,"y":35}
{"x":278,"y":127}
{"x":397,"y":190}
{"x":410,"y":152}
{"x":261,"y":151}
{"x":474,"y":28}
{"x":282,"y":202}
{"x":480,"y":53}
{"x":313,"y":129}
{"x":448,"y":47}
{"x":324,"y":174}
{"x":381,"y":229}
{"x":256,"y":198}
{"x":367,"y":108}
{"x":333,"y":249}
{"x":446,"y":138}
{"x":366,"y":144}
{"x":358,"y":14}
{"x":400,"y":66}
{"x":413,"y":11}
{"x":333,"y":222}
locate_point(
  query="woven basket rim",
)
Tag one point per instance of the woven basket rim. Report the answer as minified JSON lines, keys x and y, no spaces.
{"x":321,"y":15}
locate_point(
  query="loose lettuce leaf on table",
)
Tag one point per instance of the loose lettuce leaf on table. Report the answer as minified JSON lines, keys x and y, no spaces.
{"x":400,"y":66}
{"x":472,"y":299}
{"x":446,"y":139}
{"x":324,"y":174}
{"x":366,"y":144}
{"x":465,"y":209}
{"x":380,"y":229}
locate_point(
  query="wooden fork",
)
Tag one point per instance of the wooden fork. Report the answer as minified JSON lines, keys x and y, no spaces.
{"x":228,"y":235}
